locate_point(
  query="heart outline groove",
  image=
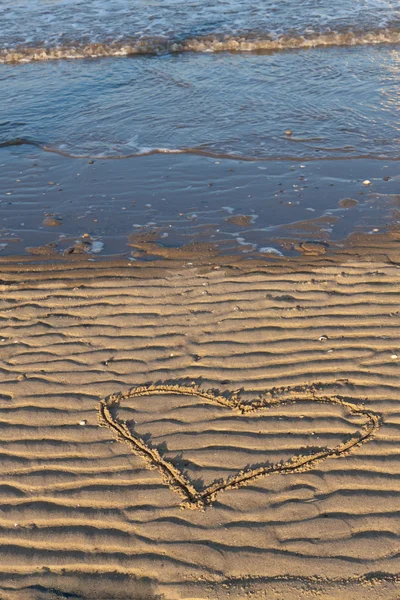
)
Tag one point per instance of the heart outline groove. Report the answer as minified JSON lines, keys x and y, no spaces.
{"x":176,"y":480}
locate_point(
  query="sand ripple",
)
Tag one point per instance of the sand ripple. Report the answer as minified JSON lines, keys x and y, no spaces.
{"x":84,"y":507}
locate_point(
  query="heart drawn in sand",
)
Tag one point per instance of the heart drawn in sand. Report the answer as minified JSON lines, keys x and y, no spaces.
{"x":177,"y":481}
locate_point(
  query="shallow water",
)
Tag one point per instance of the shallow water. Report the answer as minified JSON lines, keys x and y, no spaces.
{"x":175,"y":200}
{"x":338,"y":102}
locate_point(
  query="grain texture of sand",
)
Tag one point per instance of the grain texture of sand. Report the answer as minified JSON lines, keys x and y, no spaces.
{"x":84,"y":516}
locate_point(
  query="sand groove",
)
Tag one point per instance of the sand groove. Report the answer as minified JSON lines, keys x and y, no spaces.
{"x":173,"y":477}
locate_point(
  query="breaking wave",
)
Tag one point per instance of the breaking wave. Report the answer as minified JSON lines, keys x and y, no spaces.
{"x":210,"y":43}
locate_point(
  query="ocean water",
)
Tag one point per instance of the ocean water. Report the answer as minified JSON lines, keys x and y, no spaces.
{"x":226,"y":81}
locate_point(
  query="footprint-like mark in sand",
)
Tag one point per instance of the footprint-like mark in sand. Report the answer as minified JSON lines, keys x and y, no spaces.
{"x":176,"y":480}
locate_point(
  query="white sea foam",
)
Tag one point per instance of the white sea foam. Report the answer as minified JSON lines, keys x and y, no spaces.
{"x":270,"y":250}
{"x":209,"y":43}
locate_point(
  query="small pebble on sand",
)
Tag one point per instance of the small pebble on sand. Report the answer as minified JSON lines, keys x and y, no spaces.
{"x":241,"y":220}
{"x":348,"y":203}
{"x":52,"y":222}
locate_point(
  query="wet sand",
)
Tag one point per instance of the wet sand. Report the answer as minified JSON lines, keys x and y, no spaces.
{"x":49,"y":203}
{"x":310,"y":343}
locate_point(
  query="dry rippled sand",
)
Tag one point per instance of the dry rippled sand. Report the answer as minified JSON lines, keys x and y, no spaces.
{"x":82,"y":517}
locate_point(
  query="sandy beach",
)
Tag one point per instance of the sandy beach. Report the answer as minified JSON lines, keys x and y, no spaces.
{"x":199,"y":300}
{"x":86,"y":515}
